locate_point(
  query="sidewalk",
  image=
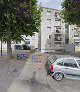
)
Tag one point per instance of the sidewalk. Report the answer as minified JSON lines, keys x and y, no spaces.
{"x":32,"y":79}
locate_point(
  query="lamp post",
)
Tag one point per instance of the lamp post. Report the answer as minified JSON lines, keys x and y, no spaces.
{"x":1,"y":46}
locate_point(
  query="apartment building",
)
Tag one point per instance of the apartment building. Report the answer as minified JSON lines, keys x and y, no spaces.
{"x":52,"y":31}
{"x":31,"y":41}
{"x":74,"y":36}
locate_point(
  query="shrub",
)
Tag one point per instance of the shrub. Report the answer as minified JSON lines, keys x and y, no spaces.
{"x":25,"y":47}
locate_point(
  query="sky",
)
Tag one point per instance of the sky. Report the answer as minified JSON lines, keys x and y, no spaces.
{"x":55,"y":4}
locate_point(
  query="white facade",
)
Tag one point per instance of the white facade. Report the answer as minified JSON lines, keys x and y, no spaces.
{"x":52,"y":31}
{"x":30,"y":41}
{"x":74,"y":36}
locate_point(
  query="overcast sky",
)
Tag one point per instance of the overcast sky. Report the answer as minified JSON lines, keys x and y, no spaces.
{"x":55,"y":4}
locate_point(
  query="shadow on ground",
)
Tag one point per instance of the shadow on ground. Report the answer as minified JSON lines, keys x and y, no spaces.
{"x":35,"y":86}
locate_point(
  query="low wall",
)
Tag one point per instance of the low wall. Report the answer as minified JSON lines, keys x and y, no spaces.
{"x":70,"y":48}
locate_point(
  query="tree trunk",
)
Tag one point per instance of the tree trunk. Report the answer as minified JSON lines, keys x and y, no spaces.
{"x":9,"y":49}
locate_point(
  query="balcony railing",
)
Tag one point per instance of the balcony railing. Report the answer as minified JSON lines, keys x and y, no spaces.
{"x":76,"y":40}
{"x":57,"y":33}
{"x":57,"y":39}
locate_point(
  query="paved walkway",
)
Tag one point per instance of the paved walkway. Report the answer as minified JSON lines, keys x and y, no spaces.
{"x":32,"y":79}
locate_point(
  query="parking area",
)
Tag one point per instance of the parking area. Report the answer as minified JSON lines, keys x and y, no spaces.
{"x":66,"y":85}
{"x":35,"y":79}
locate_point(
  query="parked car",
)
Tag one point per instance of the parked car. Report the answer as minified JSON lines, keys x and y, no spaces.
{"x":65,"y":67}
{"x":49,"y":62}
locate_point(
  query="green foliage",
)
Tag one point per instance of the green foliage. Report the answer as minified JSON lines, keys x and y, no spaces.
{"x":71,"y":11}
{"x":19,"y":17}
{"x":25,"y":47}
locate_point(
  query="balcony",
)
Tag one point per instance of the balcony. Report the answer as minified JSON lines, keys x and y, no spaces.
{"x":57,"y":32}
{"x":57,"y":24}
{"x":58,"y":39}
{"x":58,"y":19}
{"x":76,"y":40}
{"x":57,"y":15}
{"x":58,"y":27}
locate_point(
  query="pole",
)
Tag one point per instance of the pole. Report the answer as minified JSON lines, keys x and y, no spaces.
{"x":1,"y":46}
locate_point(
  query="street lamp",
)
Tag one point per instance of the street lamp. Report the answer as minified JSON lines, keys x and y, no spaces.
{"x":1,"y":46}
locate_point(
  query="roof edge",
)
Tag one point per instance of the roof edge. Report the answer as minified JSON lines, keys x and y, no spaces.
{"x":51,"y":8}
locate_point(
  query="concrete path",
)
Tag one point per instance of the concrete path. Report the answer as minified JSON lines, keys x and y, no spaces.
{"x":32,"y":79}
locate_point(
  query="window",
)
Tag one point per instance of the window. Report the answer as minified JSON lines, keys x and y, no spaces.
{"x":49,"y":36}
{"x":57,"y":27}
{"x":67,"y":41}
{"x":78,"y":61}
{"x":70,"y":63}
{"x":27,"y":41}
{"x":57,"y":15}
{"x":76,"y":43}
{"x":48,"y":12}
{"x":57,"y":31}
{"x":60,"y":63}
{"x":49,"y":21}
{"x":57,"y":19}
{"x":49,"y":28}
{"x":76,"y":35}
{"x":58,"y":38}
{"x":57,"y":44}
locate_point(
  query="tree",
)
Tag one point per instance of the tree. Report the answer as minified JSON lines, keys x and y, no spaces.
{"x":18,"y":18}
{"x":71,"y":11}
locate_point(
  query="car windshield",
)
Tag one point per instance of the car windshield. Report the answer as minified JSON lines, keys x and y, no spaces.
{"x":78,"y":62}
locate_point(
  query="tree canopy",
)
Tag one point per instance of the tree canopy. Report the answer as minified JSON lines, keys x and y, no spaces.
{"x":71,"y":11}
{"x":17,"y":18}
